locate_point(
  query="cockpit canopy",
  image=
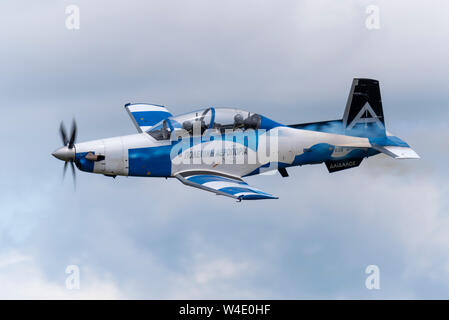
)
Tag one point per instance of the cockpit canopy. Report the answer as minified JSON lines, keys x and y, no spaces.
{"x":216,"y":119}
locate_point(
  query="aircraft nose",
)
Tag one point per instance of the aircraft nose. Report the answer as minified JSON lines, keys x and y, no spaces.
{"x":64,"y":154}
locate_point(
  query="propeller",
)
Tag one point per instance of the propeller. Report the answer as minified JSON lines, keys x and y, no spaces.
{"x":67,"y":152}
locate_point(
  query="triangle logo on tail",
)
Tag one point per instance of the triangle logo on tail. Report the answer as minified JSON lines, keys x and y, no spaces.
{"x":366,"y":115}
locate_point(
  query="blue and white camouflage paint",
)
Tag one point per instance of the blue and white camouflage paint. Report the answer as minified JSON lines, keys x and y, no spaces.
{"x":214,"y":148}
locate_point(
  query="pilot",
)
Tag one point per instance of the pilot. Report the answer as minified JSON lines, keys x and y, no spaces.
{"x":252,"y":122}
{"x":188,"y":126}
{"x":164,"y":131}
{"x":238,"y":121}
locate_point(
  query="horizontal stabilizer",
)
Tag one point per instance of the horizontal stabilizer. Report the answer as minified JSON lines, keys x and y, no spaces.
{"x":397,"y":152}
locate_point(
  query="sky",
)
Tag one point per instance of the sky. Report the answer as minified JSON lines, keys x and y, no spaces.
{"x":292,"y":61}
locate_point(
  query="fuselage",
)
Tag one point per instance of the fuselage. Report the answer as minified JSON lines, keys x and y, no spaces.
{"x":237,"y":153}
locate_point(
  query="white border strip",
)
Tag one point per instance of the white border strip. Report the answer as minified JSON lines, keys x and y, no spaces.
{"x":146,"y":107}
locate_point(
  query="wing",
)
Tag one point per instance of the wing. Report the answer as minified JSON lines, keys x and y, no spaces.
{"x":222,"y":184}
{"x":144,"y":116}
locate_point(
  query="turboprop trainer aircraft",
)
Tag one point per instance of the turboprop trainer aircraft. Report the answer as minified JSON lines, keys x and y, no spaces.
{"x":214,"y":148}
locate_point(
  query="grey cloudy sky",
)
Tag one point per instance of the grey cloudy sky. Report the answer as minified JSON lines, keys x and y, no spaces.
{"x":292,"y":61}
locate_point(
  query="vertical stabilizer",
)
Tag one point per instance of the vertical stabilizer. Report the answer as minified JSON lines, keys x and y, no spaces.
{"x":364,"y":112}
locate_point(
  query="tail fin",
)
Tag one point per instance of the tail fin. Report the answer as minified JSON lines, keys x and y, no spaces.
{"x":364,"y":112}
{"x":364,"y":117}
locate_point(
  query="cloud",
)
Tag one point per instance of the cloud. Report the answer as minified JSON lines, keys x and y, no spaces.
{"x":21,"y":279}
{"x":213,"y":279}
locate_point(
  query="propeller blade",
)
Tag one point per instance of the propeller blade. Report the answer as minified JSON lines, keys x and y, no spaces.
{"x":63,"y":133}
{"x":64,"y":170}
{"x":73,"y":173}
{"x":69,"y":143}
{"x":72,"y":135}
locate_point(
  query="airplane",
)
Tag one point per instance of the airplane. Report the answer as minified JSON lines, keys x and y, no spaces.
{"x":215,"y":148}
